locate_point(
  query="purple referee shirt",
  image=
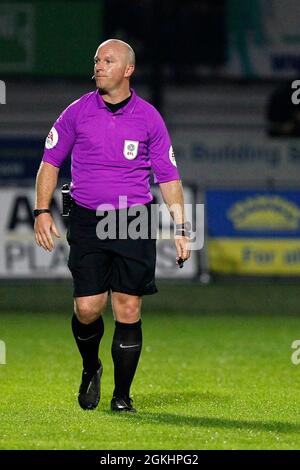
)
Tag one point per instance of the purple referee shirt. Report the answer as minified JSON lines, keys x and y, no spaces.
{"x":112,"y":153}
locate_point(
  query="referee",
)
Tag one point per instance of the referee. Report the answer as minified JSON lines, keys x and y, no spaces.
{"x":115,"y":138}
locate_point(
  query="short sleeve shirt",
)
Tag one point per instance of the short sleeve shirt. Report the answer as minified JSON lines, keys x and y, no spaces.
{"x":112,"y":153}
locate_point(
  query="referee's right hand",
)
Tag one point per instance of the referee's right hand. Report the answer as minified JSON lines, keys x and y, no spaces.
{"x":44,"y":226}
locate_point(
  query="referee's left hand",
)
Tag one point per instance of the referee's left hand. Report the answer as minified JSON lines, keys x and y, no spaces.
{"x":182,"y":247}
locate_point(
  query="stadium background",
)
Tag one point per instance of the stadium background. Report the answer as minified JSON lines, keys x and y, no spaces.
{"x":220,"y":331}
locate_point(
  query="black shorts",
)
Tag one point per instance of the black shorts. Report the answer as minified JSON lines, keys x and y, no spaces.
{"x":122,"y":265}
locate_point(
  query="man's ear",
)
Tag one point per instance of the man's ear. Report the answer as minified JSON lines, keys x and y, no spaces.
{"x":129,"y":70}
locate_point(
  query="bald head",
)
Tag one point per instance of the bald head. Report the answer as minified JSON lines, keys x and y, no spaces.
{"x":114,"y":64}
{"x":120,"y":47}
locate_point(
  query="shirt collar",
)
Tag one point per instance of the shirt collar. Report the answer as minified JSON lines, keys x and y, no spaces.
{"x":128,"y":108}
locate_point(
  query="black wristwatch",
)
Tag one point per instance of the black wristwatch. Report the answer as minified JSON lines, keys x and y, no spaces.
{"x":37,"y":212}
{"x":183,"y":230}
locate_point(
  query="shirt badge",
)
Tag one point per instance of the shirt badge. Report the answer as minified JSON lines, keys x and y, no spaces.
{"x":130,"y":149}
{"x":52,"y":139}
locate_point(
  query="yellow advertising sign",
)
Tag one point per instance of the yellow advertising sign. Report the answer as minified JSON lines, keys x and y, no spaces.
{"x":254,"y":256}
{"x":265,"y":213}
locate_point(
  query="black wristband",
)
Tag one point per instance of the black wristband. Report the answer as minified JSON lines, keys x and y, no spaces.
{"x":184,"y":226}
{"x":37,"y":212}
{"x":183,"y":230}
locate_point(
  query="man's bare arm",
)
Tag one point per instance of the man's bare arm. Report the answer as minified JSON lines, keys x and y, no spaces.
{"x":172,"y":194}
{"x":46,"y":182}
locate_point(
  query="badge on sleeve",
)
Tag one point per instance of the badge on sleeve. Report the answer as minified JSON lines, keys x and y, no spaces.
{"x":130,"y":149}
{"x":172,"y":156}
{"x":51,"y":139}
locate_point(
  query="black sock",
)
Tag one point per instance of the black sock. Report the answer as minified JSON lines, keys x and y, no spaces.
{"x":88,"y":338}
{"x":126,"y":350}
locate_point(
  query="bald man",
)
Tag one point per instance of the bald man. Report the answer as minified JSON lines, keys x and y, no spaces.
{"x":115,"y":139}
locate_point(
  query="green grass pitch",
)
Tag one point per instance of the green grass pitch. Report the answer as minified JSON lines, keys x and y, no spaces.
{"x":215,"y":371}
